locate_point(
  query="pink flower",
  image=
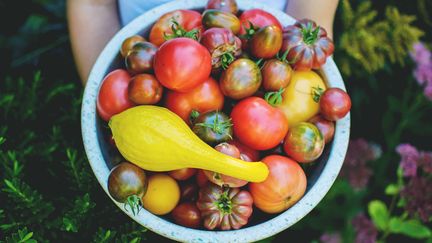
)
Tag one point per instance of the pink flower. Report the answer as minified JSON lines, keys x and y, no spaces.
{"x":365,"y":230}
{"x":420,"y":54}
{"x":409,"y":157}
{"x":418,"y":196}
{"x":425,"y":161}
{"x":355,"y":168}
{"x":423,"y":72}
{"x":331,"y":238}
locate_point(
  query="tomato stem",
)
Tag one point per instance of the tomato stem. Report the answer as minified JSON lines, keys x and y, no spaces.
{"x":133,"y":202}
{"x":179,"y":31}
{"x":316,"y":93}
{"x":193,"y":116}
{"x":274,"y":98}
{"x":250,"y":32}
{"x":226,"y":59}
{"x":224,"y":203}
{"x":217,"y":126}
{"x":310,"y":36}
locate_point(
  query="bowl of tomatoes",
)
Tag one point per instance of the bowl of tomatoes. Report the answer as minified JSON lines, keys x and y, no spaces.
{"x":254,"y":95}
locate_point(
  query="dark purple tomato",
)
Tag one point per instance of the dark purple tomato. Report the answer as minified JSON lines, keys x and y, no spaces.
{"x":326,"y":127}
{"x":140,"y":58}
{"x":128,"y":43}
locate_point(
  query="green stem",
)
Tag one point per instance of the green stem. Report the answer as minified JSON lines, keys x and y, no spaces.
{"x":274,"y":98}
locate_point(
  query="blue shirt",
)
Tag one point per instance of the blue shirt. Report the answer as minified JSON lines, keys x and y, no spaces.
{"x":130,"y":9}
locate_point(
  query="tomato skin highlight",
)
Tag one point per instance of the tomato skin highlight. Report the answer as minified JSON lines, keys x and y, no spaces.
{"x":113,"y":95}
{"x":220,"y":19}
{"x":125,"y":180}
{"x":204,"y":98}
{"x":285,"y":185}
{"x":187,"y":19}
{"x":182,"y":64}
{"x":257,"y":124}
{"x":140,"y":58}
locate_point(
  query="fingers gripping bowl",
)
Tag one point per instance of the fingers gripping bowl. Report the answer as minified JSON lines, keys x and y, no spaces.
{"x":261,"y":226}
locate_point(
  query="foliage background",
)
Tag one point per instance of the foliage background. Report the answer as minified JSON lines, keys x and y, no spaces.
{"x":49,"y":193}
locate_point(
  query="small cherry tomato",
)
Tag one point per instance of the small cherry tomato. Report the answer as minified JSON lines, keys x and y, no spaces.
{"x":304,"y":142}
{"x":144,"y":89}
{"x":185,"y":22}
{"x":223,"y":5}
{"x":140,"y":58}
{"x":276,"y":75}
{"x":213,"y":127}
{"x":113,"y":94}
{"x":163,"y":194}
{"x":216,"y":18}
{"x":182,"y":64}
{"x":204,"y":98}
{"x":326,"y":127}
{"x":334,"y":104}
{"x":187,"y":214}
{"x":128,"y":43}
{"x":284,"y":186}
{"x":182,"y":174}
{"x":266,"y":42}
{"x":242,"y":79}
{"x":257,"y":124}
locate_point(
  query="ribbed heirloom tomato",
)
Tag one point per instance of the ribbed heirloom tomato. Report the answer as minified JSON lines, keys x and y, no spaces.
{"x":258,"y":18}
{"x":181,"y":64}
{"x":206,"y":97}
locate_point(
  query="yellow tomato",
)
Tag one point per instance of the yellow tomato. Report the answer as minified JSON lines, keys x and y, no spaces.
{"x":298,"y":102}
{"x":162,"y":196}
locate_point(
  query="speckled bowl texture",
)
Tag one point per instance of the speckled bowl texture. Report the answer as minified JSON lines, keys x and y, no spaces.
{"x":100,"y":158}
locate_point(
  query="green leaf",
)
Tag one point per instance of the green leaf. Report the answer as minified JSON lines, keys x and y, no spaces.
{"x":411,"y":228}
{"x":379,"y":214}
{"x":22,"y":236}
{"x":392,"y":189}
{"x":2,"y":140}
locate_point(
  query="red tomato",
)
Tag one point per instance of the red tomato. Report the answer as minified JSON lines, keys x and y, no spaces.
{"x":204,"y":98}
{"x":284,"y":186}
{"x":182,"y":174}
{"x":189,"y":192}
{"x":187,"y":214}
{"x":182,"y":64}
{"x":113,"y":95}
{"x":246,"y":153}
{"x":259,"y":18}
{"x":187,"y":20}
{"x":327,"y":128}
{"x":334,"y":104}
{"x":201,"y":179}
{"x":257,"y":124}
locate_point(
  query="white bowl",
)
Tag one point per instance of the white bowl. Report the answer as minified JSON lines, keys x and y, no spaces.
{"x":319,"y":182}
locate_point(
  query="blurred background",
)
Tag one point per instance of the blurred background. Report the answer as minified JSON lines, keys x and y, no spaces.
{"x":384,"y":192}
